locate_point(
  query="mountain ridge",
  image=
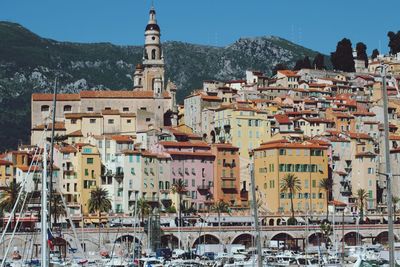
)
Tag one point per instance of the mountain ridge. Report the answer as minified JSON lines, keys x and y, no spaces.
{"x":30,"y":63}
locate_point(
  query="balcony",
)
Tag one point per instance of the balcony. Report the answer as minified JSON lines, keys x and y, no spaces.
{"x":229,"y":164}
{"x":119,"y":176}
{"x":153,"y":201}
{"x":74,"y":204}
{"x":203,"y":189}
{"x":231,"y":177}
{"x":228,"y":187}
{"x":244,"y":195}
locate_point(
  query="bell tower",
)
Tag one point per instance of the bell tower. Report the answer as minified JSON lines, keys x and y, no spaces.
{"x":153,"y":59}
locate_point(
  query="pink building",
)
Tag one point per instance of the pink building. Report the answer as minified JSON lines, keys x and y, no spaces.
{"x":193,"y":163}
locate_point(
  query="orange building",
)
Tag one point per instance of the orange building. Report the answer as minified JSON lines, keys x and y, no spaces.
{"x":226,"y":174}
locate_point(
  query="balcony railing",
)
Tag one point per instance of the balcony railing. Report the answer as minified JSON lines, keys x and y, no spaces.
{"x":230,"y":177}
{"x":228,"y":187}
{"x":204,"y":187}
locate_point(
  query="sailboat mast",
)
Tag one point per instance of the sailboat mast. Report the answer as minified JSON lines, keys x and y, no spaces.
{"x":44,"y":209}
{"x":52,"y":151}
{"x":257,"y":226}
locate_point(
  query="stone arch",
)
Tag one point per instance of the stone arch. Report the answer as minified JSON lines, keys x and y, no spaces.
{"x":352,"y":238}
{"x":206,"y":239}
{"x":317,"y":239}
{"x":382,"y":238}
{"x":271,"y":222}
{"x":287,"y":239}
{"x":170,"y":241}
{"x":244,"y":239}
{"x":129,"y":241}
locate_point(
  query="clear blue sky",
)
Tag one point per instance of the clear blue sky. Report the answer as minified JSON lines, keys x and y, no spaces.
{"x":317,"y":24}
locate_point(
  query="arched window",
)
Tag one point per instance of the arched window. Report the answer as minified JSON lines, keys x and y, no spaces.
{"x":67,"y":108}
{"x":45,"y":108}
{"x":153,"y":54}
{"x":161,"y":185}
{"x":140,"y":81}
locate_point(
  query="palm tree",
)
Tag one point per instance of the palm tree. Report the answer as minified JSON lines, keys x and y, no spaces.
{"x":362,"y":196}
{"x":220,"y":207}
{"x":143,"y":208}
{"x":9,"y":196}
{"x":327,"y":185}
{"x":99,"y":202}
{"x":292,"y":184}
{"x":179,"y":187}
{"x":57,"y":207}
{"x":395,"y":201}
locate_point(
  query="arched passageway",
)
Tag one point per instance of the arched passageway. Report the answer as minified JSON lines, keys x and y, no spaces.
{"x":244,"y":239}
{"x":170,"y":241}
{"x":352,"y":239}
{"x":206,"y":239}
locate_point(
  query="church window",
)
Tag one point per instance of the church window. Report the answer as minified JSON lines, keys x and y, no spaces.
{"x":147,"y":119}
{"x":125,"y":109}
{"x":153,"y":54}
{"x":90,"y":109}
{"x":92,"y":121}
{"x":107,"y":108}
{"x":129,"y":121}
{"x":140,"y":81}
{"x":143,"y":108}
{"x":153,"y":38}
{"x":110,"y":121}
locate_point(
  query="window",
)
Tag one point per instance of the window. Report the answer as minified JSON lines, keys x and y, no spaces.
{"x":73,"y":121}
{"x":282,"y":152}
{"x":370,"y":170}
{"x":92,"y":121}
{"x":89,"y":160}
{"x":86,"y":172}
{"x":148,"y":119}
{"x":314,"y":183}
{"x":87,"y":150}
{"x":125,"y":109}
{"x":128,"y":121}
{"x":110,"y":121}
{"x":45,"y":108}
{"x":67,"y":108}
{"x":107,"y":108}
{"x":90,"y":109}
{"x":133,"y":171}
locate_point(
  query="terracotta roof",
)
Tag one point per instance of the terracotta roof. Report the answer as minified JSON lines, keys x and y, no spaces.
{"x":359,"y":135}
{"x":184,"y":144}
{"x":122,"y":138}
{"x":66,"y":149}
{"x":5,"y":162}
{"x":60,"y":126}
{"x":128,"y":114}
{"x":77,"y":133}
{"x":289,"y":73}
{"x":82,"y":115}
{"x":290,"y":145}
{"x":26,"y":168}
{"x":119,"y":94}
{"x":60,"y":97}
{"x":192,"y":154}
{"x":211,"y":98}
{"x":282,"y":119}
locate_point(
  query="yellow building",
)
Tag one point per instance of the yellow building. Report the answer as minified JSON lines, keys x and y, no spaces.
{"x":88,"y":171}
{"x":6,"y":172}
{"x":308,"y":162}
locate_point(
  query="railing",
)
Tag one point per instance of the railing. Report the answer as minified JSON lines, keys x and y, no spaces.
{"x":231,"y":177}
{"x":151,"y":199}
{"x":228,"y":186}
{"x":203,"y":187}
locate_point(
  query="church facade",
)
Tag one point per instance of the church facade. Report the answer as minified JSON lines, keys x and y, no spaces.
{"x":150,"y":104}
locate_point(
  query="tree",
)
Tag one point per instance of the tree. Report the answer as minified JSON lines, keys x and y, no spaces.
{"x":326,"y":230}
{"x":291,"y":184}
{"x":326,"y":184}
{"x":143,"y":208}
{"x":362,"y":196}
{"x":179,"y":187}
{"x":375,"y":53}
{"x":57,"y":207}
{"x":279,"y":66}
{"x":220,"y":207}
{"x":303,"y":64}
{"x":394,"y":42}
{"x":342,"y":58}
{"x":8,"y":198}
{"x":99,"y":202}
{"x":318,"y":62}
{"x":361,"y":49}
